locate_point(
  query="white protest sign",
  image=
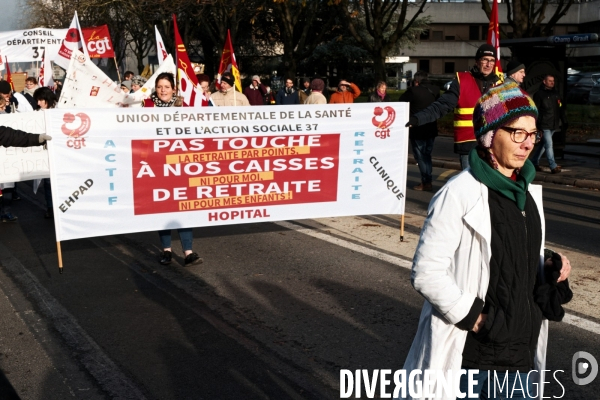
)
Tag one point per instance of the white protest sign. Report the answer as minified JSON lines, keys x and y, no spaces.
{"x":23,"y":163}
{"x":30,"y":44}
{"x":87,"y":86}
{"x":131,"y":170}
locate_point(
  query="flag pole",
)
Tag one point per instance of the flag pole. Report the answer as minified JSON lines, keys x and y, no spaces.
{"x":402,"y":228}
{"x":60,"y":262}
{"x":117,"y":66}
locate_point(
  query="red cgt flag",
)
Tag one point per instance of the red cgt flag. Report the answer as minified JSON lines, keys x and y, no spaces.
{"x":228,"y":64}
{"x":8,"y":75}
{"x":493,"y":36}
{"x":98,"y":43}
{"x":186,"y":78}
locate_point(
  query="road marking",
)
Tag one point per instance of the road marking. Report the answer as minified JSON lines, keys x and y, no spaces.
{"x":444,"y":176}
{"x":570,"y":319}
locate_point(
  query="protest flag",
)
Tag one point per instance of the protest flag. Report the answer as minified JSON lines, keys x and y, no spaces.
{"x":228,"y":64}
{"x":187,"y":82}
{"x":161,"y":51}
{"x":493,"y":36}
{"x":72,"y":41}
{"x":46,"y":73}
{"x":97,"y":41}
{"x":9,"y":76}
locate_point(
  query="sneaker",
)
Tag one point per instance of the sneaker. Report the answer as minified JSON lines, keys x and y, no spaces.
{"x":16,"y":197}
{"x":8,"y":217}
{"x":192,"y":259}
{"x":425,"y":187}
{"x":166,"y":258}
{"x":556,"y":170}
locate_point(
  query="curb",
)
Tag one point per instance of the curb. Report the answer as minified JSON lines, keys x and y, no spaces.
{"x":559,"y":180}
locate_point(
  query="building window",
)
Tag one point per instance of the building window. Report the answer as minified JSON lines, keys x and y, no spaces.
{"x":438,"y":35}
{"x":449,"y":37}
{"x":484,"y":32}
{"x":474,"y":32}
{"x":424,"y":65}
{"x":425,"y":35}
{"x":448,"y":67}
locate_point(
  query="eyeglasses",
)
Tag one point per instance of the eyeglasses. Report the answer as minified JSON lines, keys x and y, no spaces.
{"x":487,"y":60}
{"x":520,"y":135}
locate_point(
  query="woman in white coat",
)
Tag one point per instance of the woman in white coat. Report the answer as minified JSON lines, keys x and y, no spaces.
{"x":488,"y":285}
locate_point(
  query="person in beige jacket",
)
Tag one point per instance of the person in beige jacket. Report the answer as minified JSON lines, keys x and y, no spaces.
{"x":316,"y":95}
{"x":227,"y":96}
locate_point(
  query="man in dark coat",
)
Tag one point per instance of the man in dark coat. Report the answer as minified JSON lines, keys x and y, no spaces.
{"x":14,"y":138}
{"x":287,"y":95}
{"x":421,"y":137}
{"x":551,"y":114}
{"x":464,"y":92}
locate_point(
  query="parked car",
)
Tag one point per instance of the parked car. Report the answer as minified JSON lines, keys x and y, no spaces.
{"x":595,"y":92}
{"x":580,"y":85}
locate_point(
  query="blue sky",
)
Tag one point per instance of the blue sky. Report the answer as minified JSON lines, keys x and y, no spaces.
{"x":10,"y":17}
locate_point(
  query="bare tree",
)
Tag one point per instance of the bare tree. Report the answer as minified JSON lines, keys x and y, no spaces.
{"x":378,"y":25}
{"x":528,"y":17}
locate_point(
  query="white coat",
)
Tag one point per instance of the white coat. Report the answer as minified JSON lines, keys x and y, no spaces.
{"x":451,"y":267}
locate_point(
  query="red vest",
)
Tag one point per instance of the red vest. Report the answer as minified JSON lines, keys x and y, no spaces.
{"x":463,"y":113}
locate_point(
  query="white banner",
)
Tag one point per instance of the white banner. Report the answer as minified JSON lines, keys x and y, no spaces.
{"x":132,"y":170}
{"x":23,"y":163}
{"x":30,"y":44}
{"x":86,"y":86}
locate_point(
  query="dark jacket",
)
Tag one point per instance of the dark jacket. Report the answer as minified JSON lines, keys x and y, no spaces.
{"x":375,"y":98}
{"x":283,"y":97}
{"x":256,"y":96}
{"x":14,"y":138}
{"x":420,"y":97}
{"x":448,"y":101}
{"x":11,"y":105}
{"x":508,"y":339}
{"x":31,"y":100}
{"x":550,"y":109}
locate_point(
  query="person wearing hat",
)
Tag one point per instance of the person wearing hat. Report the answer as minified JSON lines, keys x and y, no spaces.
{"x":256,"y":92}
{"x":137,"y":82}
{"x":461,"y":97}
{"x":515,"y":70}
{"x":15,"y":101}
{"x":316,"y":95}
{"x":227,"y":95}
{"x":489,"y":284}
{"x":126,"y":86}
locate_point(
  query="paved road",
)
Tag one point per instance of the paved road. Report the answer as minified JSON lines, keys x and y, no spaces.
{"x":272,"y":313}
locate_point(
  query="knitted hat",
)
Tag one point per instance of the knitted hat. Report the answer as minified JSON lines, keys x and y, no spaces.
{"x":5,"y":87}
{"x":227,"y":77}
{"x":138,"y":80}
{"x":317,"y":84}
{"x":255,"y":78}
{"x":127,"y":84}
{"x":514,"y":66}
{"x":499,"y":107}
{"x":485,"y":50}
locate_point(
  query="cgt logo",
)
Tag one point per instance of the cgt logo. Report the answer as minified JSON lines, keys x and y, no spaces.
{"x":383,"y":125}
{"x":75,"y":126}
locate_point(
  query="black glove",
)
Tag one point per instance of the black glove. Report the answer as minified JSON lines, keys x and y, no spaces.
{"x":412,"y":121}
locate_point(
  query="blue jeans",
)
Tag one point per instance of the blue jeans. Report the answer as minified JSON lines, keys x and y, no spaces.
{"x":185,"y":234}
{"x":464,"y":161}
{"x":504,"y":389}
{"x":547,"y":146}
{"x":422,"y":151}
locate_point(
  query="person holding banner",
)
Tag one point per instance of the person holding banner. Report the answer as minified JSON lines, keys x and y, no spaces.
{"x":46,"y":99}
{"x":15,"y":138}
{"x":164,"y":96}
{"x":489,"y":284}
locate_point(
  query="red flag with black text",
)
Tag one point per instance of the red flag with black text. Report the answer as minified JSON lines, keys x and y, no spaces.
{"x":186,"y":78}
{"x":493,"y":36}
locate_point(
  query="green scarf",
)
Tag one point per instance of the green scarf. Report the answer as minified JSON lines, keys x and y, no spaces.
{"x":493,"y":179}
